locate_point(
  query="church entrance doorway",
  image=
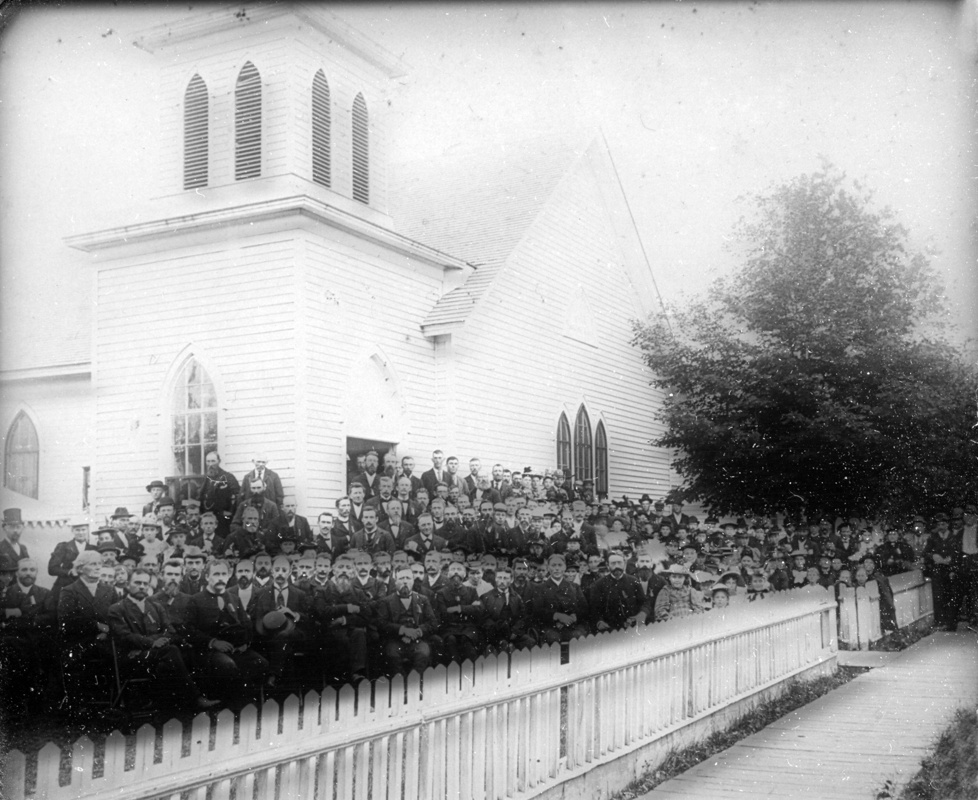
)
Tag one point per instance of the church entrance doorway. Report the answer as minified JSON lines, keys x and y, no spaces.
{"x":356,"y":452}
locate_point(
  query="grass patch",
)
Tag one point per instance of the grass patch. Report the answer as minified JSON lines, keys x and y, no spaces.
{"x":797,"y":694}
{"x":951,"y":771}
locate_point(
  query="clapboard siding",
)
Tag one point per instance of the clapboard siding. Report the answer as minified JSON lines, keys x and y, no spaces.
{"x":240,"y":317}
{"x":518,"y":399}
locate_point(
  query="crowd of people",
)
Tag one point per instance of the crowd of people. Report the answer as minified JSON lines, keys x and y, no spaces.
{"x":215,"y":598}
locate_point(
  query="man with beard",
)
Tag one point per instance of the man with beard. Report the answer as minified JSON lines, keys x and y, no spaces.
{"x":271,"y":482}
{"x":193,"y":570}
{"x":344,"y":523}
{"x":441,"y":526}
{"x":169,"y":594}
{"x":396,"y":526}
{"x":559,"y":606}
{"x":221,"y":633}
{"x":410,"y":508}
{"x":191,"y":518}
{"x":330,"y":540}
{"x":145,"y":640}
{"x":424,"y":541}
{"x":344,"y":613}
{"x":282,"y":633}
{"x":369,"y":478}
{"x":362,"y":566}
{"x":458,"y":607}
{"x":209,"y":541}
{"x":27,"y":630}
{"x":617,"y":600}
{"x":506,"y":622}
{"x":371,"y":538}
{"x":63,"y":558}
{"x":384,"y":573}
{"x":405,"y":620}
{"x":263,"y":571}
{"x":380,"y":499}
{"x":245,"y":541}
{"x":13,"y":528}
{"x":291,"y":525}
{"x":244,"y":585}
{"x":407,"y":471}
{"x":268,"y":514}
{"x":219,"y":493}
{"x":391,"y":468}
{"x":522,"y":584}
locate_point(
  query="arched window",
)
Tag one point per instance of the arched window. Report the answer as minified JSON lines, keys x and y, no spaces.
{"x":583,"y":470}
{"x":20,"y":457}
{"x":565,"y":461}
{"x":247,"y":123}
{"x":361,"y":151}
{"x":195,"y":133}
{"x":320,"y":130}
{"x":194,"y":419}
{"x":600,"y":460}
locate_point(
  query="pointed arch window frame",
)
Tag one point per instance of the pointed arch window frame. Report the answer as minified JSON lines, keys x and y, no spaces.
{"x":194,"y":418}
{"x":196,"y":133}
{"x":600,"y":459}
{"x":565,"y":445}
{"x":22,"y":460}
{"x":247,"y":123}
{"x":360,"y":149}
{"x":583,"y":446}
{"x":321,"y":116}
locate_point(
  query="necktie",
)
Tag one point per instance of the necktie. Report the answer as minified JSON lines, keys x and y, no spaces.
{"x":220,"y":603}
{"x":279,"y":598}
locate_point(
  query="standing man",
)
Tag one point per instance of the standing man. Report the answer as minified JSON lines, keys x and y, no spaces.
{"x":156,"y":490}
{"x":407,"y":470}
{"x":471,"y":482}
{"x":219,"y":494}
{"x":291,"y":522}
{"x":371,"y":538}
{"x":267,"y":510}
{"x":271,"y":483}
{"x":435,"y":475}
{"x":13,"y":527}
{"x":942,"y":562}
{"x":64,"y":555}
{"x":369,"y":477}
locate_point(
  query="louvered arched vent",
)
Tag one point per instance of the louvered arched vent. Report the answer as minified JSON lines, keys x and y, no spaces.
{"x":247,"y":123}
{"x":361,"y":151}
{"x":195,"y":133}
{"x":320,"y":130}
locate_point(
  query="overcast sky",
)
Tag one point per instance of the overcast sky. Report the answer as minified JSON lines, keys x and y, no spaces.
{"x":701,"y":103}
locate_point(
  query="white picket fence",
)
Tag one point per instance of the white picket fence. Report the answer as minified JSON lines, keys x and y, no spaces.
{"x":502,"y":727}
{"x":859,"y":608}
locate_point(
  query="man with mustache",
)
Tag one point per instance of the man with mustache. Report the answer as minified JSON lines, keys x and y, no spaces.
{"x":193,"y":570}
{"x":559,"y":606}
{"x":209,"y":540}
{"x":343,"y":610}
{"x":280,"y":638}
{"x":219,"y":494}
{"x":221,"y":633}
{"x":460,"y":611}
{"x":245,"y":542}
{"x":268,"y":513}
{"x":617,"y":600}
{"x":506,"y":622}
{"x":145,"y":639}
{"x":169,"y":595}
{"x":64,"y":555}
{"x":371,"y":538}
{"x":405,"y":620}
{"x":243,"y":585}
{"x":290,"y":522}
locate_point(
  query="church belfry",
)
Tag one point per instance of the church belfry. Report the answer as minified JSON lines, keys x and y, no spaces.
{"x":267,"y":101}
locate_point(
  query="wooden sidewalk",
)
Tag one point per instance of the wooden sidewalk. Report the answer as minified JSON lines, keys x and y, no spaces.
{"x":848,"y":743}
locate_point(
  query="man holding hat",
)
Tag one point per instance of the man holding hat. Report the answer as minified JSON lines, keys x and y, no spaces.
{"x":281,"y":617}
{"x":13,"y":527}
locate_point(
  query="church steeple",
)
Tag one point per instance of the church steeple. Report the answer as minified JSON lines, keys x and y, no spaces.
{"x":269,"y":101}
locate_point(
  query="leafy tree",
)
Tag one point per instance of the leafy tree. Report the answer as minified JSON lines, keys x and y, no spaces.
{"x":817,"y":375}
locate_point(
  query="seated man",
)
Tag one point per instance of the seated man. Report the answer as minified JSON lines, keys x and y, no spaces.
{"x":505,"y":621}
{"x":617,"y":600}
{"x":460,"y":612}
{"x":221,"y":633}
{"x":405,"y":620}
{"x":344,"y":614}
{"x":278,"y":637}
{"x":169,"y":596}
{"x":146,"y":642}
{"x":559,"y":607}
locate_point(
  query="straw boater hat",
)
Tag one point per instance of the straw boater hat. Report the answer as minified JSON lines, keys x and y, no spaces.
{"x":675,"y":569}
{"x":275,"y":623}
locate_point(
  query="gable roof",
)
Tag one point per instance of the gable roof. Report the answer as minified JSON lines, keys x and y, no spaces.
{"x":476,"y":204}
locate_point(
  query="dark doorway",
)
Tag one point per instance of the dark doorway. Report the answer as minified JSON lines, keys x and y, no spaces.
{"x":358,"y":448}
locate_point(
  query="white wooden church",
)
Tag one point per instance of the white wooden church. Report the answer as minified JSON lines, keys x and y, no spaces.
{"x":293,"y":293}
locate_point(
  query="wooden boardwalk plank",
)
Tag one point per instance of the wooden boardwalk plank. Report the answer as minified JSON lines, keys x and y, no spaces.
{"x":846,"y":744}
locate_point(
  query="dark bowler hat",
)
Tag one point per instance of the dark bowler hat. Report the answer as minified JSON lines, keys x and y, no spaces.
{"x":645,"y":499}
{"x":166,"y":501}
{"x":121,"y":512}
{"x":105,"y":547}
{"x":275,"y":623}
{"x":11,"y":516}
{"x":155,"y":485}
{"x":193,"y":551}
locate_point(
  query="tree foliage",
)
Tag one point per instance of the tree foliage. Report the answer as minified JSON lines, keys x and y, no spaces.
{"x":817,"y":375}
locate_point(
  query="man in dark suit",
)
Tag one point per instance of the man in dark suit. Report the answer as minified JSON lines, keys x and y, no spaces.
{"x":396,"y":525}
{"x":278,"y":638}
{"x":271,"y":482}
{"x":559,"y":606}
{"x":219,"y":493}
{"x":380,"y":499}
{"x":407,"y":471}
{"x":410,"y":508}
{"x":221,"y":633}
{"x":369,"y":478}
{"x":471,"y":481}
{"x":169,"y":595}
{"x":345,"y":615}
{"x":405,"y":620}
{"x":676,"y":518}
{"x":243,"y":585}
{"x":372,"y":538}
{"x":209,"y":540}
{"x":83,"y":625}
{"x":432,"y":477}
{"x":156,"y":490}
{"x":344,"y":523}
{"x":459,"y":611}
{"x":13,"y":527}
{"x":247,"y":540}
{"x":424,"y":540}
{"x":64,"y":555}
{"x":506,"y":616}
{"x":291,"y":522}
{"x":146,"y":643}
{"x":193,"y":570}
{"x":268,"y":511}
{"x":329,"y":539}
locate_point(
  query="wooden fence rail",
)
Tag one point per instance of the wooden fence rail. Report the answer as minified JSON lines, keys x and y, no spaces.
{"x":859,"y":608}
{"x":507,"y":726}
